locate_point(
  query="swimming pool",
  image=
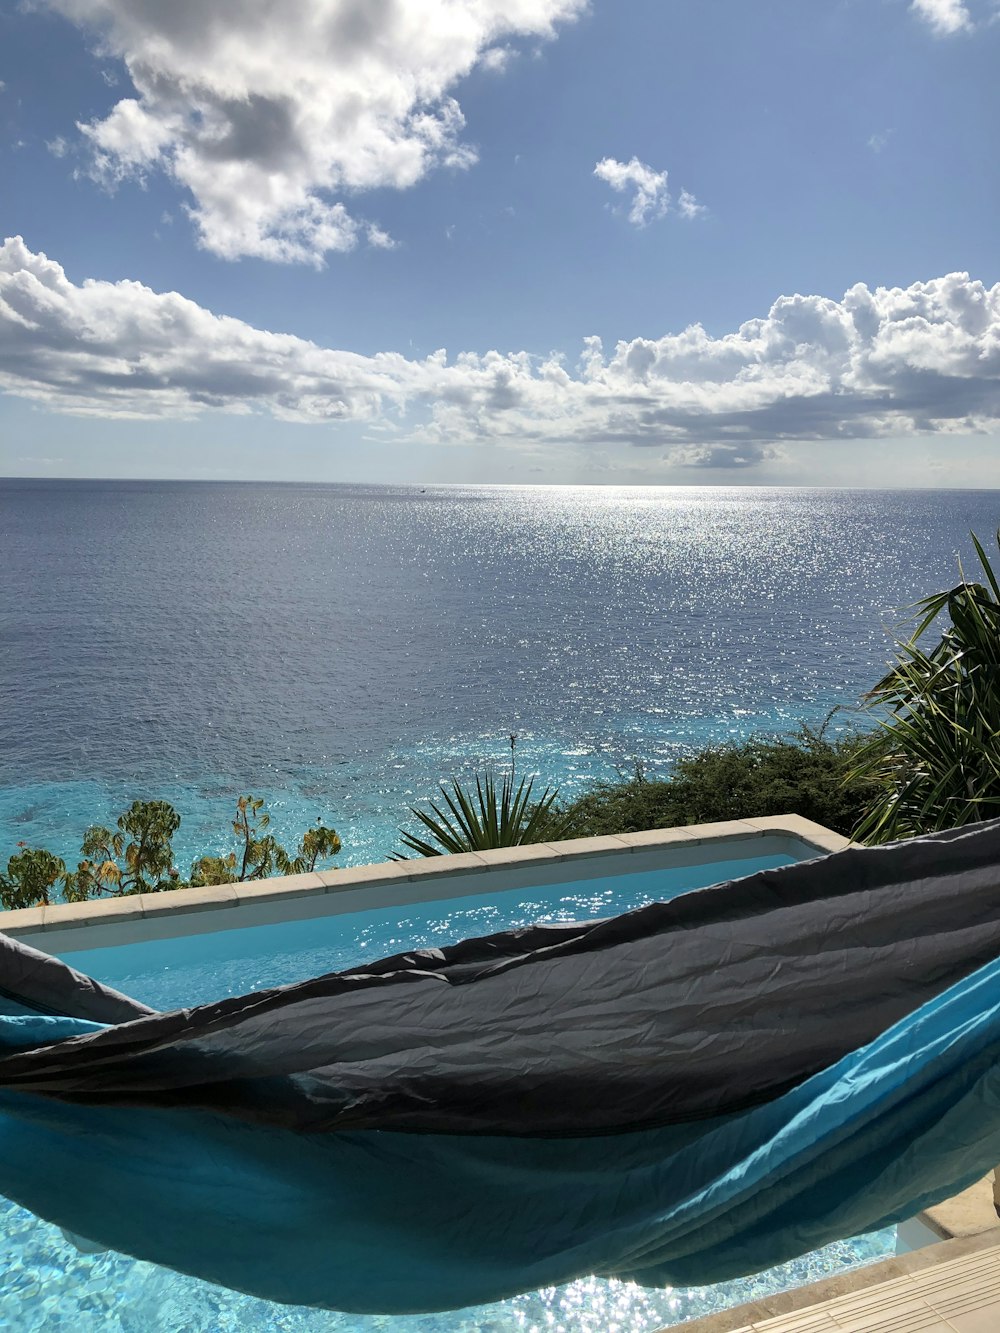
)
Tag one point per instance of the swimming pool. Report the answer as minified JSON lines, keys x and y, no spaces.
{"x":171,"y":962}
{"x":180,"y":970}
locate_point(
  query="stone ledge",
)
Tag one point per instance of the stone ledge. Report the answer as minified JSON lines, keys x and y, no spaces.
{"x":96,"y":912}
{"x":173,"y":901}
{"x":967,"y":1214}
{"x":805,"y":829}
{"x":650,"y":839}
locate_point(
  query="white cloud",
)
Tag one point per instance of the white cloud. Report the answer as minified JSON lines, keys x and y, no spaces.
{"x":893,"y":361}
{"x":58,"y":146}
{"x":651,"y":198}
{"x":269,"y":114}
{"x":944,"y":16}
{"x":879,"y":141}
{"x":688,"y":206}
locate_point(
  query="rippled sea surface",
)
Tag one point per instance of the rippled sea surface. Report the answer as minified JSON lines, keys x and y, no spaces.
{"x":339,"y":649}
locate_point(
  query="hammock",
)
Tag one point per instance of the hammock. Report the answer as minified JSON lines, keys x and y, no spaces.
{"x":680,"y":1095}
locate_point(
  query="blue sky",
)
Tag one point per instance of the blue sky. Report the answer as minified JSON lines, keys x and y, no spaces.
{"x":360,"y":240}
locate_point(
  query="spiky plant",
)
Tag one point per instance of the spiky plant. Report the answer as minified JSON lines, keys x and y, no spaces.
{"x":935,"y":753}
{"x":467,"y":820}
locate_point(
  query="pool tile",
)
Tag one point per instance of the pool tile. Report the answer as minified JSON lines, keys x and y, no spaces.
{"x":274,"y":890}
{"x":725,"y":829}
{"x":535,"y":853}
{"x":659,"y":837}
{"x":601,"y":846}
{"x":364,"y":877}
{"x":796,"y":826}
{"x":804,"y":1321}
{"x":20,"y":920}
{"x":986,"y":1320}
{"x":461,"y":863}
{"x":97,"y":911}
{"x":187,"y":900}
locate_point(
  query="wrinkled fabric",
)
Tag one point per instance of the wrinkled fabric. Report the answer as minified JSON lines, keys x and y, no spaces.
{"x":684,"y":1094}
{"x":702,"y":1006}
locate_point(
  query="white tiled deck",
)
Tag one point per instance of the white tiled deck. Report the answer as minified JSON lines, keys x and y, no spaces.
{"x":950,"y":1287}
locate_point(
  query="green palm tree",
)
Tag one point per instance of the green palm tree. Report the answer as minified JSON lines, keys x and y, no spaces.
{"x":467,"y":821}
{"x":936,"y":751}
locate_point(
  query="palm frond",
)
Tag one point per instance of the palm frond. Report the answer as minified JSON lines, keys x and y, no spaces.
{"x":477,"y":818}
{"x":935,"y":752}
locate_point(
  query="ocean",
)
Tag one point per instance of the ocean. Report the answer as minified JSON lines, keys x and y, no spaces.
{"x":339,"y":650}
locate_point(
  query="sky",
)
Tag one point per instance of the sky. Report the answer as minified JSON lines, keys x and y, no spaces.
{"x":513,"y":241}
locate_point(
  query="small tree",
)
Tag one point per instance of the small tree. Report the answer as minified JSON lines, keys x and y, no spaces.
{"x":317,"y":843}
{"x":136,"y":858}
{"x":31,"y":876}
{"x":260,"y":854}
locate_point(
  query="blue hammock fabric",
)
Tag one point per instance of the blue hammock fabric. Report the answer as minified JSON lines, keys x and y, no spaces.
{"x":395,"y":1221}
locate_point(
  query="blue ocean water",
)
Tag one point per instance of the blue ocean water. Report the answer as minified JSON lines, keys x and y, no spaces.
{"x":339,"y":649}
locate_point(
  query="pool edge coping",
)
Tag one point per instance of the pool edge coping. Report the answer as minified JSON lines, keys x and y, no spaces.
{"x":181,"y":902}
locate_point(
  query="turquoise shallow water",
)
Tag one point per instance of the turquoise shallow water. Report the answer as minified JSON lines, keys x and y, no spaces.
{"x":48,"y":1285}
{"x":338,"y":649}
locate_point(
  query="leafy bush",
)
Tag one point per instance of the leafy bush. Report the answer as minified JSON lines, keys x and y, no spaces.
{"x":935,"y":756}
{"x":31,"y":876}
{"x":806,"y":774}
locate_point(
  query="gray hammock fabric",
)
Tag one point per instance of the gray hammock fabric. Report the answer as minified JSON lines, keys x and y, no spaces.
{"x":692,"y":1090}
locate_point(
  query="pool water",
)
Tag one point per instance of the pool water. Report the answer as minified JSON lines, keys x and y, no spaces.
{"x":49,"y":1285}
{"x":197,"y":969}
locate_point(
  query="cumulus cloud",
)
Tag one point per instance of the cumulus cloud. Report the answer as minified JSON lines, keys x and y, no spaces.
{"x":944,"y":16}
{"x":651,"y":198}
{"x":269,"y":114}
{"x":892,"y":361}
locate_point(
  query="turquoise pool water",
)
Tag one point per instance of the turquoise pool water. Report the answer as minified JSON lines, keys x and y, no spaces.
{"x":175,"y":973}
{"x":48,"y":1285}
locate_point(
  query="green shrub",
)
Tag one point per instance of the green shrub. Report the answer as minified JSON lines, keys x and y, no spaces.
{"x":31,"y":876}
{"x":805,"y":774}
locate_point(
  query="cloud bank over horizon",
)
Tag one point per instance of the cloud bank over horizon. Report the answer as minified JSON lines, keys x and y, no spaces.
{"x":888,"y":362}
{"x":265,"y":112}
